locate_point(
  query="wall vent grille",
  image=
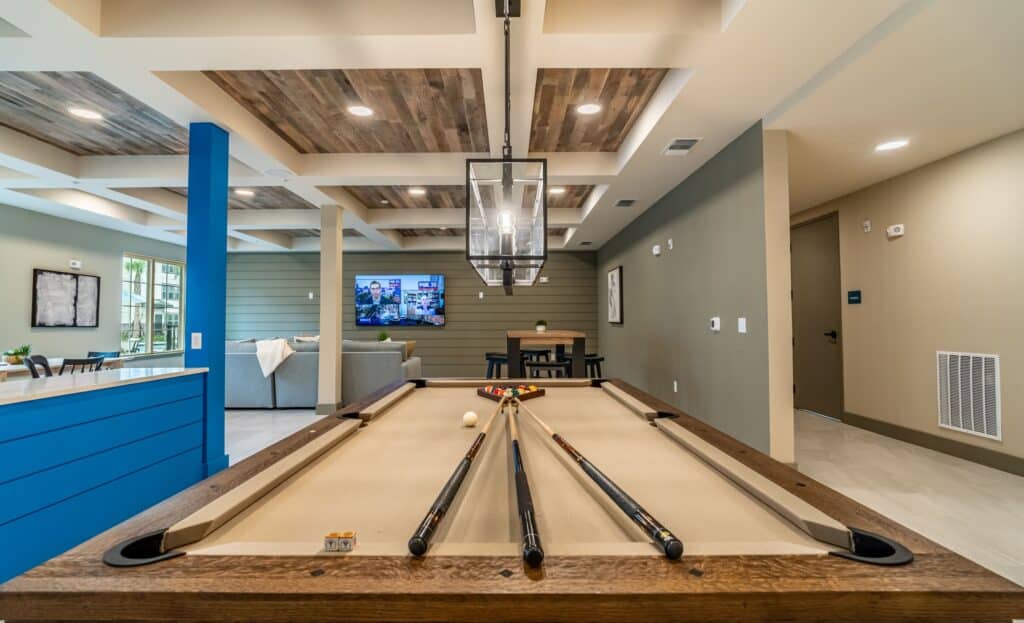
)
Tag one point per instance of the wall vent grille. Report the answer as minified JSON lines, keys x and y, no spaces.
{"x":968,"y":390}
{"x":624,"y":203}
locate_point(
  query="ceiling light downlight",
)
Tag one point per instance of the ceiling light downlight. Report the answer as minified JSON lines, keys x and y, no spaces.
{"x":245,"y":192}
{"x":417,"y":192}
{"x":360,"y":111}
{"x":557,"y":190}
{"x":898,"y":143}
{"x":588,"y":109}
{"x":85,"y":113}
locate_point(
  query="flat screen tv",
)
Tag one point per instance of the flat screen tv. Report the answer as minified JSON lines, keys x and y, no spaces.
{"x":400,"y":300}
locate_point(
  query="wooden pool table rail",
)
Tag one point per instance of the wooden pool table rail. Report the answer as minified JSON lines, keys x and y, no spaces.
{"x":938,"y":586}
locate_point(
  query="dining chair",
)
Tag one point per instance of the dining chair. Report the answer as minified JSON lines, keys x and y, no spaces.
{"x":88,"y":364}
{"x":106,"y":354}
{"x":37,"y":360}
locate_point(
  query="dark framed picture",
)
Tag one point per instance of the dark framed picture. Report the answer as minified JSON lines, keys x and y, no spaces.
{"x":65,"y":299}
{"x":615,"y":295}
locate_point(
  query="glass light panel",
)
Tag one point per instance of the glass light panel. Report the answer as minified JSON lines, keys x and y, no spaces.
{"x":506,"y":220}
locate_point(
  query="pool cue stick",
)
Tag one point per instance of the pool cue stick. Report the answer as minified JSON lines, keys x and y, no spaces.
{"x":533,"y":553}
{"x":669,"y":544}
{"x":421,"y":538}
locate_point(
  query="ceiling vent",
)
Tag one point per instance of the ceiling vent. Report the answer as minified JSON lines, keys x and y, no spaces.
{"x":968,"y":391}
{"x":680,"y":146}
{"x":624,"y":203}
{"x":586,"y":243}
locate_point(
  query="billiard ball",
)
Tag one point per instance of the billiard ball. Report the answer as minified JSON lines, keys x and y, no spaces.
{"x":469,"y":419}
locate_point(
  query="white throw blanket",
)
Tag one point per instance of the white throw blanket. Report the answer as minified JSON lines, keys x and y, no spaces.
{"x":272,"y":353}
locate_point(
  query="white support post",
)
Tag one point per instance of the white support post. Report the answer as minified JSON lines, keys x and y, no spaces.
{"x":329,"y":377}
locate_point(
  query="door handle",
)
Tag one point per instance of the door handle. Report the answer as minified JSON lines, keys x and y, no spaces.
{"x":832,"y":334}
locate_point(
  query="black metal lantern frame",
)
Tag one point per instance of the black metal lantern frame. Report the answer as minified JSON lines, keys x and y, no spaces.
{"x":506,"y":202}
{"x":507,"y":219}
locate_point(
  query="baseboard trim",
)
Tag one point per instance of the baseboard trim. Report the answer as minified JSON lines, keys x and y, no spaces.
{"x":959,"y":449}
{"x":328,"y":408}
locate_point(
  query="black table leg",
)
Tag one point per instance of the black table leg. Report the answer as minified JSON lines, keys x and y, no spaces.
{"x":579,"y":358}
{"x":515,"y":358}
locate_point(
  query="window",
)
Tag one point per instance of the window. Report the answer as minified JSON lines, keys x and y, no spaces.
{"x":151,"y":305}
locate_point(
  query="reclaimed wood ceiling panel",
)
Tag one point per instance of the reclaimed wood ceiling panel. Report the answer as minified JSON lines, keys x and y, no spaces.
{"x":264,"y":198}
{"x":573,"y":198}
{"x":415,"y":110}
{"x":622,"y":93}
{"x":36,"y":103}
{"x":398,"y":197}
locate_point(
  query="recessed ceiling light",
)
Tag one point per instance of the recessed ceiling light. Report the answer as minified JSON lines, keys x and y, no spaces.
{"x":244,"y":192}
{"x":384,"y":201}
{"x":85,"y":113}
{"x":444,"y":229}
{"x":419,"y":192}
{"x":588,"y":109}
{"x":361,"y":111}
{"x":557,"y":190}
{"x":898,"y":143}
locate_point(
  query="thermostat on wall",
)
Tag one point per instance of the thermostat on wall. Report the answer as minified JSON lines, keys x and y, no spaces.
{"x":894,"y":231}
{"x":76,"y":264}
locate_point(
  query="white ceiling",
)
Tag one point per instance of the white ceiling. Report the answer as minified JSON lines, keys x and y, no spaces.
{"x":945,"y":74}
{"x":819,"y":68}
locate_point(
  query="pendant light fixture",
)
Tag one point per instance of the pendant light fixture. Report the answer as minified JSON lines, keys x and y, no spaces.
{"x":506,"y":202}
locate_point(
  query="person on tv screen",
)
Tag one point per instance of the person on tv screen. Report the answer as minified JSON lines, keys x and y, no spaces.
{"x":374,"y":305}
{"x":425,"y":307}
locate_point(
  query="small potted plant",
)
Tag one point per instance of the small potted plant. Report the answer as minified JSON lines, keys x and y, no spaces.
{"x":542,"y":326}
{"x":383,"y":337}
{"x":16,"y":356}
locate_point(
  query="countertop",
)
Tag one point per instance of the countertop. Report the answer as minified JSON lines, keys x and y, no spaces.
{"x":24,"y":390}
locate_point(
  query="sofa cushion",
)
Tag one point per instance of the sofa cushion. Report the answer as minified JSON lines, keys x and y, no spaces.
{"x":305,"y":347}
{"x":241,"y":346}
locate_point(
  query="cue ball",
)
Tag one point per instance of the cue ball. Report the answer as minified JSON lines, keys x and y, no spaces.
{"x":469,"y":419}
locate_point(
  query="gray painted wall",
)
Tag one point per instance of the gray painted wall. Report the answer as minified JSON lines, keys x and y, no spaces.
{"x":717,"y":268}
{"x":268,"y":295}
{"x":31,"y":240}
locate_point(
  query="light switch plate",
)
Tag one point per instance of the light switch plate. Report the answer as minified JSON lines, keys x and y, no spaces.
{"x":197,"y":341}
{"x":866,"y":225}
{"x":75,"y":264}
{"x":741,"y":325}
{"x":670,"y":244}
{"x":656,"y":250}
{"x":675,"y":387}
{"x":716,"y":324}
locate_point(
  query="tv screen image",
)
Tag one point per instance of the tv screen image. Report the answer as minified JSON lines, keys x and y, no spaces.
{"x":402,"y":300}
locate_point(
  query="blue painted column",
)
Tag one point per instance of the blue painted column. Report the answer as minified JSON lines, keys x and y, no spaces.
{"x":206,"y":277}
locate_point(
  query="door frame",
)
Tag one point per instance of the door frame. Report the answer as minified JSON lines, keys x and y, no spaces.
{"x":842,"y":327}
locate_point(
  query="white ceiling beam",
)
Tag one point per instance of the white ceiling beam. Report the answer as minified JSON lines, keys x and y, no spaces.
{"x":276,"y":240}
{"x":30,"y":156}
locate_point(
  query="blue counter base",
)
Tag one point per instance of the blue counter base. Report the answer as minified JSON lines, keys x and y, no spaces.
{"x":74,"y":466}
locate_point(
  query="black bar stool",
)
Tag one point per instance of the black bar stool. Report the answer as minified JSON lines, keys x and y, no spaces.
{"x":560,"y":368}
{"x":495,"y":363}
{"x":88,"y":364}
{"x":594,"y":366}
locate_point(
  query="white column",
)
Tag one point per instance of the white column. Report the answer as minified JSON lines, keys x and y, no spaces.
{"x":329,"y":381}
{"x":780,"y":301}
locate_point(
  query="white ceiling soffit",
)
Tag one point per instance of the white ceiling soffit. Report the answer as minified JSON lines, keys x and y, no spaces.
{"x":944,"y":74}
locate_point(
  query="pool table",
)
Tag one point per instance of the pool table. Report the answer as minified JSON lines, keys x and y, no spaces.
{"x":761,"y":541}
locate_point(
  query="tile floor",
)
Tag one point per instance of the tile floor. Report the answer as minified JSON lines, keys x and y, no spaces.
{"x":248,"y":431}
{"x":973,"y":510}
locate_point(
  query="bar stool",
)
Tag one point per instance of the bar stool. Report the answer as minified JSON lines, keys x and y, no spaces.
{"x":593,"y":363}
{"x":494,"y":363}
{"x":560,"y":368}
{"x":536,"y":354}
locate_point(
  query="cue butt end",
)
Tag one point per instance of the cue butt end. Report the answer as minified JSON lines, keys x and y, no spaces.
{"x":533,"y":556}
{"x":674,"y":549}
{"x":417,"y":546}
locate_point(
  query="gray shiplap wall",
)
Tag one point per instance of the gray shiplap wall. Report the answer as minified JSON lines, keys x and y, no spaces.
{"x":268,"y":295}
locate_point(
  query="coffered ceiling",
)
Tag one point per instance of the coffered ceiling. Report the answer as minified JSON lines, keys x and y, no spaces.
{"x":280,"y":76}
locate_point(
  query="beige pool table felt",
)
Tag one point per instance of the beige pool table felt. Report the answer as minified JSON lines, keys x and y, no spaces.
{"x":379,"y":480}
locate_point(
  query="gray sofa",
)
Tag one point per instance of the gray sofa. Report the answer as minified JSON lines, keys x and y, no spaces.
{"x":365,"y":368}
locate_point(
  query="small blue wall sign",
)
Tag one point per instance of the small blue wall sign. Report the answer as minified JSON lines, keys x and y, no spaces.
{"x":853,"y":297}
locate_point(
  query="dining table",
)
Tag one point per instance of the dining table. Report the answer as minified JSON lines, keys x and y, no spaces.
{"x":9,"y":370}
